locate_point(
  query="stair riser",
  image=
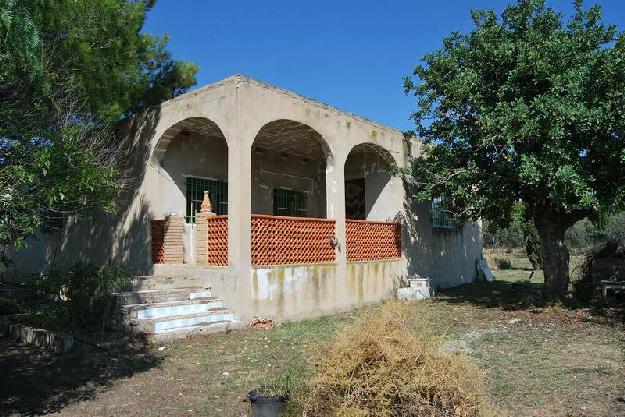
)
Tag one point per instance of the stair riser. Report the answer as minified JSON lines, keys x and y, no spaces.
{"x":222,"y":326}
{"x":152,"y":326}
{"x":159,"y":312}
{"x":166,"y":283}
{"x":161,"y":297}
{"x":163,"y":326}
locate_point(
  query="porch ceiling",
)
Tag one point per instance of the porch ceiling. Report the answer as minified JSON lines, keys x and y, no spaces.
{"x":371,"y":148}
{"x":292,"y":138}
{"x":188,"y":127}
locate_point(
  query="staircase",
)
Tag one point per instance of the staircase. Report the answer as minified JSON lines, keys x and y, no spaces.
{"x":164,"y":308}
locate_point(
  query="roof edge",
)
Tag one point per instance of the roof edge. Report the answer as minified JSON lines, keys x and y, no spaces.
{"x":238,"y":77}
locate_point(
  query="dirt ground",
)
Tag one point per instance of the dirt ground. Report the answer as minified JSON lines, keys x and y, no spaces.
{"x":539,"y":361}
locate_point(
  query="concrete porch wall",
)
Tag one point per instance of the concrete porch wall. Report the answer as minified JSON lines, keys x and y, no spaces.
{"x":291,"y":292}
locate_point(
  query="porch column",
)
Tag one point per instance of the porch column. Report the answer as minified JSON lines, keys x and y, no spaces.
{"x":239,"y":209}
{"x":335,"y":202}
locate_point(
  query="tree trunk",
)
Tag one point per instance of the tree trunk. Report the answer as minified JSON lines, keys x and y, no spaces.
{"x":555,"y":256}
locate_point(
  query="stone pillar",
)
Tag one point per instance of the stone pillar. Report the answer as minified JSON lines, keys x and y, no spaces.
{"x":335,"y":202}
{"x":201,"y":231}
{"x":240,"y":208}
{"x":173,"y":252}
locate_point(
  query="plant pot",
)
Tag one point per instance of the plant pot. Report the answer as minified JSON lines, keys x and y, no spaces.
{"x":267,"y":405}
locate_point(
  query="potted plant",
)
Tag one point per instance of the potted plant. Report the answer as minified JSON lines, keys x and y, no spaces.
{"x":270,"y":399}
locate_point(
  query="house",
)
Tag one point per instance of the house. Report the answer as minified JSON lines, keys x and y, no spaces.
{"x":306,"y":216}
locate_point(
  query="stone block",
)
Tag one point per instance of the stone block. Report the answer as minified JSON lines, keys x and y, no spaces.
{"x":41,"y":338}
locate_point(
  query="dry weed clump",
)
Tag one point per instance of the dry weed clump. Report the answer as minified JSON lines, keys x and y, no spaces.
{"x":389,"y":363}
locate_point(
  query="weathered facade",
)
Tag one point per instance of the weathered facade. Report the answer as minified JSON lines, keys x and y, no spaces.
{"x":308,"y":218}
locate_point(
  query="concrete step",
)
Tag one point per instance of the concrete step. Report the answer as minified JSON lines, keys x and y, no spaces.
{"x":204,"y":328}
{"x":171,"y":323}
{"x":161,"y":296}
{"x":171,"y":308}
{"x":157,"y":282}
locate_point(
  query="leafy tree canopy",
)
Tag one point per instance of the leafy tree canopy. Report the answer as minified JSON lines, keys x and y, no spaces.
{"x":69,"y":69}
{"x":526,"y":107}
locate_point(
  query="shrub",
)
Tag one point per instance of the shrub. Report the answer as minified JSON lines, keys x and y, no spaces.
{"x":503,"y":263}
{"x":83,"y":295}
{"x":389,"y":362}
{"x":586,"y":287}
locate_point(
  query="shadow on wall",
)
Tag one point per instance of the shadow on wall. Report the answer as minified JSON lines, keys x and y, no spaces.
{"x":197,"y":148}
{"x":123,"y":237}
{"x":417,"y":235}
{"x":34,"y":383}
{"x":455,"y":254}
{"x":446,"y":256}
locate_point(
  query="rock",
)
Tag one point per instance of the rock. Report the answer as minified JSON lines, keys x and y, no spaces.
{"x":411,"y":293}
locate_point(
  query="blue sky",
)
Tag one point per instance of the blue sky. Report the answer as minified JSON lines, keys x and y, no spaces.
{"x":350,"y":54}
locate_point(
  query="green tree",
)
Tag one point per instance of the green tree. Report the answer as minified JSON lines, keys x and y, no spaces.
{"x":70,"y":70}
{"x":526,"y":107}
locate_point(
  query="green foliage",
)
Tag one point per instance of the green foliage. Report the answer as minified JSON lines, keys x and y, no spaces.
{"x":503,"y":263}
{"x":506,"y":235}
{"x":69,"y":70}
{"x":527,"y":108}
{"x":533,"y":245}
{"x":615,"y":229}
{"x":89,"y":303}
{"x":582,"y":234}
{"x":587,"y":286}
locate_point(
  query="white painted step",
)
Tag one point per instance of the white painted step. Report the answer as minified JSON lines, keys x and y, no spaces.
{"x":206,"y":328}
{"x":168,"y":323}
{"x":172,"y":308}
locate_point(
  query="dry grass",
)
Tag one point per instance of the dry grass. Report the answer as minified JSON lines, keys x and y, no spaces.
{"x":389,"y":363}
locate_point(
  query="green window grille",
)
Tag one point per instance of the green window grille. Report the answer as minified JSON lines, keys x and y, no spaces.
{"x":217,"y":191}
{"x":290,"y":203}
{"x":52,"y":221}
{"x":440,"y":219}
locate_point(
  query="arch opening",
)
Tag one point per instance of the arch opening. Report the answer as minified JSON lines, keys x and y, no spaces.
{"x":193,"y":159}
{"x":289,"y":170}
{"x":367,"y":182}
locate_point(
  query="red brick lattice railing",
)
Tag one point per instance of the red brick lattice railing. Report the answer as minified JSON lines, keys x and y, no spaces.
{"x":158,"y":241}
{"x":217,"y":245}
{"x":279,"y":240}
{"x":372,"y":241}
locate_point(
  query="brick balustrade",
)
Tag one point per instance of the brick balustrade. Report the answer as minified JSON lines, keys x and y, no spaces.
{"x":217,"y":242}
{"x":167,"y":246}
{"x":157,"y":228}
{"x":279,"y":240}
{"x":372,"y":241}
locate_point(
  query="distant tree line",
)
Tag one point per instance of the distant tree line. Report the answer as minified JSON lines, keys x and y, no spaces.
{"x":582,"y":235}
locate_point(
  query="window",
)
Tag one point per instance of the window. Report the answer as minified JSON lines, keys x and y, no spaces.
{"x":440,"y":219}
{"x":290,"y":203}
{"x":217,"y":191}
{"x":355,"y":199}
{"x":53,"y":221}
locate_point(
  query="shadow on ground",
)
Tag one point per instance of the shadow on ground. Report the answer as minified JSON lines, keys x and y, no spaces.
{"x":523,"y":295}
{"x":497,"y":294}
{"x":35,"y":383}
